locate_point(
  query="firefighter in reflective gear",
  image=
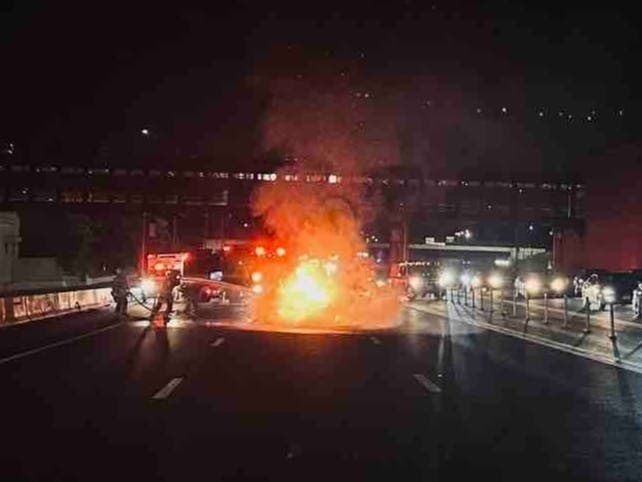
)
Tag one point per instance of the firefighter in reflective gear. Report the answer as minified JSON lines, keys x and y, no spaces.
{"x":119,"y":291}
{"x":166,"y":295}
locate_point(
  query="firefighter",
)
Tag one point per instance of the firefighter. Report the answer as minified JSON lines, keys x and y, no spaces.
{"x":192,"y":294}
{"x":119,"y":291}
{"x":166,"y":295}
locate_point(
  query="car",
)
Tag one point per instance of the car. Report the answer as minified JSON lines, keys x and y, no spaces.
{"x":582,"y":275}
{"x":420,"y":281}
{"x":536,"y":283}
{"x":636,"y":300}
{"x":601,"y":289}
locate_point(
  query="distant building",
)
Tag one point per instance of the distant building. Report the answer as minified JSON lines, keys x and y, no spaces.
{"x":613,"y":236}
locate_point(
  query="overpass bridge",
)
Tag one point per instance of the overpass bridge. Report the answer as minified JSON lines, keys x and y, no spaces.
{"x":435,"y":206}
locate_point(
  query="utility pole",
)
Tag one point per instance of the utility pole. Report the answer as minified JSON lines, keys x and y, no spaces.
{"x":143,"y":245}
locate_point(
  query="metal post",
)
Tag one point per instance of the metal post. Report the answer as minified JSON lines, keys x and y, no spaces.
{"x":587,"y":329}
{"x":612,"y":316}
{"x":472,"y":294}
{"x":491,"y":301}
{"x":502,"y":308}
{"x":514,"y":303}
{"x":174,"y":231}
{"x":458,"y":296}
{"x":466,"y":296}
{"x":565,"y":311}
{"x":545,"y":308}
{"x":528,"y":312}
{"x":481,"y":299}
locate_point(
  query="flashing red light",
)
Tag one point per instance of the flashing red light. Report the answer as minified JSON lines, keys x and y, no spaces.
{"x":227,"y":249}
{"x":280,"y":251}
{"x":260,"y":251}
{"x":186,"y":256}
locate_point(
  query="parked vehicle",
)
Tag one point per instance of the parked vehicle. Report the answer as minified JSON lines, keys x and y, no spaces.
{"x":636,"y":300}
{"x":582,"y":276}
{"x":601,"y":289}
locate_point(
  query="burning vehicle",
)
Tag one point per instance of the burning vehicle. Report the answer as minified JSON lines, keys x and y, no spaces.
{"x":313,"y":273}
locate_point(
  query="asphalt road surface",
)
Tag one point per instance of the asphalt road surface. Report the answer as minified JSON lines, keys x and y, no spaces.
{"x":211,"y":398}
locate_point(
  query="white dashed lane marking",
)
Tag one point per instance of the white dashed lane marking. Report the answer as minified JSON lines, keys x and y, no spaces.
{"x":375,"y":340}
{"x":167,"y":390}
{"x":218,"y":342}
{"x":427,"y":384}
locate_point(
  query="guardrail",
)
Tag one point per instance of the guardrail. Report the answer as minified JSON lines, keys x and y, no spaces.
{"x":21,"y":307}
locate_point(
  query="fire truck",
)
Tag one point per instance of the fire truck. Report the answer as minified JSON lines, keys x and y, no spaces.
{"x":157,"y":267}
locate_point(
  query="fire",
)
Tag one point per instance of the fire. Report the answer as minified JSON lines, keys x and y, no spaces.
{"x":317,"y":280}
{"x":306,"y":293}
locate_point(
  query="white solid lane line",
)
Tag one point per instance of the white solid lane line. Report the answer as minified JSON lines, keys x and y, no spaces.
{"x":58,"y":343}
{"x":375,"y":340}
{"x":167,"y":390}
{"x":218,"y":342}
{"x":427,"y":384}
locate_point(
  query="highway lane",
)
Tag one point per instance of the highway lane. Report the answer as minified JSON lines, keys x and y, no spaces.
{"x":430,"y":398}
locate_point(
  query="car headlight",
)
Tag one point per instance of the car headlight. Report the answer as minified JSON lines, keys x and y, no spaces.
{"x":609,"y":294}
{"x":446,"y":279}
{"x":416,"y":282}
{"x":148,"y":285}
{"x":533,"y":285}
{"x":559,"y":284}
{"x":257,"y":289}
{"x":495,"y":281}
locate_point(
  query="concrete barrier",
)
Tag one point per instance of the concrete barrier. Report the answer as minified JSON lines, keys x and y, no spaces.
{"x":27,"y":307}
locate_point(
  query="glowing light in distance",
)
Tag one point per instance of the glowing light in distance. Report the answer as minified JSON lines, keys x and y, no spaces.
{"x":259,"y":251}
{"x":609,"y":294}
{"x":257,"y":277}
{"x":559,"y":284}
{"x":475,"y":282}
{"x":495,"y":281}
{"x":159,"y":266}
{"x":465,"y":279}
{"x":280,"y":251}
{"x":533,"y":285}
{"x":416,"y":282}
{"x":148,"y":285}
{"x":446,"y":278}
{"x":257,"y":289}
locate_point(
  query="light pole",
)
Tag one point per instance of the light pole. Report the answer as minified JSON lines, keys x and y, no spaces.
{"x":475,"y":282}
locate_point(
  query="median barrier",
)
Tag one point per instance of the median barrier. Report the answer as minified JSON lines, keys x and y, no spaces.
{"x":26,"y":307}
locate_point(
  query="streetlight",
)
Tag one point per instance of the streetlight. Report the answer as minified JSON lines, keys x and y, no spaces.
{"x":465,"y":281}
{"x":475,"y":283}
{"x":144,"y":131}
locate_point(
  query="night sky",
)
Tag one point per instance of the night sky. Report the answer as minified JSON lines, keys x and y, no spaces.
{"x":79,"y":82}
